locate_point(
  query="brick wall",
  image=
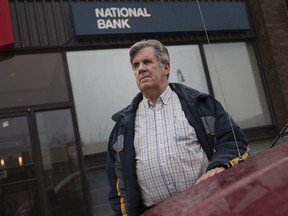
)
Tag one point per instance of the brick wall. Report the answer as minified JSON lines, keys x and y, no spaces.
{"x":270,"y":20}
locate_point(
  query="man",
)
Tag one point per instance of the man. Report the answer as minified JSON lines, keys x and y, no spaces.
{"x":169,"y":138}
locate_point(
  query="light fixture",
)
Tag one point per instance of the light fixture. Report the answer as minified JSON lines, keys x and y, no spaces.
{"x":2,"y":162}
{"x":5,"y":124}
{"x":20,"y":160}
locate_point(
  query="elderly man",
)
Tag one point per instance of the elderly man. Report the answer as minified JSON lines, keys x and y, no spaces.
{"x":169,"y":138}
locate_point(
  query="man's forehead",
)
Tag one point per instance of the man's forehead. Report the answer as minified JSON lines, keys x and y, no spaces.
{"x":145,"y":53}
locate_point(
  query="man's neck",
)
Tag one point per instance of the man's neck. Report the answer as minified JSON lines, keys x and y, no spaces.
{"x":153,"y":95}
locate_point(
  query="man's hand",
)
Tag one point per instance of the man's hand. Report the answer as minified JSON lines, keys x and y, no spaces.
{"x":210,"y":173}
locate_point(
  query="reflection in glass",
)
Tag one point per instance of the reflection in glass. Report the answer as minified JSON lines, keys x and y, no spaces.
{"x":187,"y":67}
{"x":18,"y":189}
{"x":32,"y":79}
{"x":100,"y":90}
{"x":99,"y":190}
{"x":180,"y":76}
{"x":237,"y":69}
{"x":59,"y":157}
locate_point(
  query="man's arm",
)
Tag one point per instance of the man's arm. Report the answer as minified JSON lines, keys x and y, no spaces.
{"x":230,"y":144}
{"x":226,"y":152}
{"x":210,"y":173}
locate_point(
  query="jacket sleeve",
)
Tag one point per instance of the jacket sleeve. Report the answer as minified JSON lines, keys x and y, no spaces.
{"x":230,"y":146}
{"x":114,"y":198}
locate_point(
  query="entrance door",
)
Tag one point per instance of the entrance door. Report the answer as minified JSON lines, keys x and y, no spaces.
{"x":42,"y":176}
{"x":18,"y":182}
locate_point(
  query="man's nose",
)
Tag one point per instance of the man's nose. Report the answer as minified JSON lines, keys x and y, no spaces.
{"x":142,"y":67}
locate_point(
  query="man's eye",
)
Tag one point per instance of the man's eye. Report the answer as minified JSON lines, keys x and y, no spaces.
{"x":135,"y":66}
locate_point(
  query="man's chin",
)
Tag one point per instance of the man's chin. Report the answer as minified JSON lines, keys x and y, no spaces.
{"x":145,"y":86}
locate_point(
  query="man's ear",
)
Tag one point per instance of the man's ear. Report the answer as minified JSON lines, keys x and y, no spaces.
{"x":167,"y":68}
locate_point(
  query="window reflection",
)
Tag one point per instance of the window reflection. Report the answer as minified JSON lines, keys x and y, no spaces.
{"x":32,"y":79}
{"x":235,"y":66}
{"x":59,"y":156}
{"x":18,"y":188}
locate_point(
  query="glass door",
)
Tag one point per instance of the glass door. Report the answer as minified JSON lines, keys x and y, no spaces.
{"x":39,"y":167}
{"x":63,"y":179}
{"x":18,"y":184}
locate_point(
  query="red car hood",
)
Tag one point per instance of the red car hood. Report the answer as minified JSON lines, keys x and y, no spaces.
{"x":257,"y":186}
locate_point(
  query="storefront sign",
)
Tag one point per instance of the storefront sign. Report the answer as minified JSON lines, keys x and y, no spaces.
{"x":128,"y":18}
{"x":6,"y":33}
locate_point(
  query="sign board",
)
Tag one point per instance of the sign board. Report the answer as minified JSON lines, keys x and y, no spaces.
{"x":130,"y":18}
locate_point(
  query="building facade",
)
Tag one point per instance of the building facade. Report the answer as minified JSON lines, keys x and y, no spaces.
{"x":64,"y":70}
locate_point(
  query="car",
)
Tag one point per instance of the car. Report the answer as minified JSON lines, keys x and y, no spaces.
{"x":257,"y":186}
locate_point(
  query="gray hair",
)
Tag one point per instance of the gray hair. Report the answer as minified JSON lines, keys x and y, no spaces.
{"x":161,"y":51}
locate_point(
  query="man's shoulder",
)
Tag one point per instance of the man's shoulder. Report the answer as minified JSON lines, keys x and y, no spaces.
{"x":186,"y":91}
{"x":128,"y":110}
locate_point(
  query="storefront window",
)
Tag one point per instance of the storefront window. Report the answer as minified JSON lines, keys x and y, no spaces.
{"x":187,"y":67}
{"x":63,"y":179}
{"x":32,"y":80}
{"x":234,"y":72}
{"x":102,"y":83}
{"x":19,"y":194}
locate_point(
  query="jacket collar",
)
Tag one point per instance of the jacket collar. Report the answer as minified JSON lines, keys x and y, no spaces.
{"x":181,"y":90}
{"x":128,"y":111}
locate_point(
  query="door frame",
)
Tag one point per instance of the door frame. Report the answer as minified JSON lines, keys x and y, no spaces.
{"x":30,"y":114}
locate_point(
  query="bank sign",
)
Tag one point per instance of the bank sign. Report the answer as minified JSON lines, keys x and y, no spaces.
{"x":127,"y":18}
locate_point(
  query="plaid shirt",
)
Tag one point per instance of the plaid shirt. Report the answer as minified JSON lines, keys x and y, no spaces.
{"x":169,"y":158}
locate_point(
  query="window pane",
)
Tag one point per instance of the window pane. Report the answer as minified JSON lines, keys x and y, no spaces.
{"x":241,"y":83}
{"x":18,"y":186}
{"x":102,"y":83}
{"x":59,"y":157}
{"x":187,"y":67}
{"x":99,"y":187}
{"x":32,"y":79}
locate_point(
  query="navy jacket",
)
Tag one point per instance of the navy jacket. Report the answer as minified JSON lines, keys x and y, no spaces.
{"x":213,"y":128}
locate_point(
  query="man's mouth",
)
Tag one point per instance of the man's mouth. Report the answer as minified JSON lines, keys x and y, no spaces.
{"x":144,"y":77}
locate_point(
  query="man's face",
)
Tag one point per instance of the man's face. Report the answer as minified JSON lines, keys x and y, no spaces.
{"x":151,"y":76}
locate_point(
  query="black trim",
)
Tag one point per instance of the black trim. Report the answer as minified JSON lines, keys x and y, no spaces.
{"x":37,"y":157}
{"x":39,"y":107}
{"x":264,"y":82}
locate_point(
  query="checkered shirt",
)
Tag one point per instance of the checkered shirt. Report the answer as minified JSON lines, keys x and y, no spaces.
{"x":169,"y":158}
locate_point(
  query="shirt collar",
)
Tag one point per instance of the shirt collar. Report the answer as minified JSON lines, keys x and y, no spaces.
{"x":163,"y":98}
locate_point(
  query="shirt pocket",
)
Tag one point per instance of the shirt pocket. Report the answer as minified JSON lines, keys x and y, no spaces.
{"x":184,"y":131}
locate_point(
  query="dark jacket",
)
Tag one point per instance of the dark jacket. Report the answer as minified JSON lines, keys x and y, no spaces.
{"x":213,"y":128}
